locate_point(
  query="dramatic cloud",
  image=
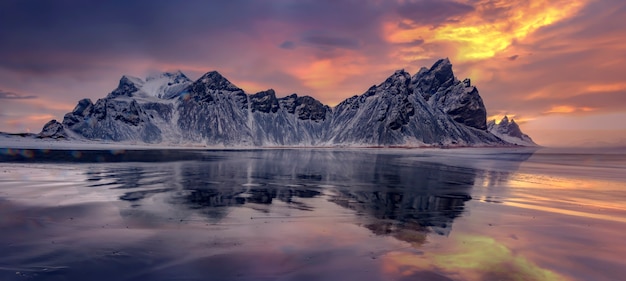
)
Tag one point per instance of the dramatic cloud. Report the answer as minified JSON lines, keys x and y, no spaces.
{"x":329,"y":41}
{"x":288,"y":45}
{"x":513,"y":57}
{"x":480,"y":34}
{"x":14,"y":96}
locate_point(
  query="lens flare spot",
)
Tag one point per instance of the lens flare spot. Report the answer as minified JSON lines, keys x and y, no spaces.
{"x":26,"y":153}
{"x":77,"y":154}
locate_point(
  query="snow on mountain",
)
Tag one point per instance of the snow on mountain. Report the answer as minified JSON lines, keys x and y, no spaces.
{"x":116,"y":119}
{"x":166,"y":85}
{"x":510,"y":132}
{"x":431,"y":108}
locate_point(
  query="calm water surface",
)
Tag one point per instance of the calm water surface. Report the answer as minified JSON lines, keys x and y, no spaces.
{"x":467,"y":214}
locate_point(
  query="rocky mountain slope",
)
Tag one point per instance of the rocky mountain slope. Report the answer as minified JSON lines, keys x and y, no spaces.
{"x":430,"y":108}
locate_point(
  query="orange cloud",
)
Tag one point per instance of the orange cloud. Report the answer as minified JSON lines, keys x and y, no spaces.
{"x":568,"y":109}
{"x":29,"y":121}
{"x":31,"y":118}
{"x":613,"y":87}
{"x":327,"y":76}
{"x":327,"y":73}
{"x":50,"y":105}
{"x":489,"y":29}
{"x":252,"y":87}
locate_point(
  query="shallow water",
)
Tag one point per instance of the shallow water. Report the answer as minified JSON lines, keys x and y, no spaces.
{"x":321,"y":214}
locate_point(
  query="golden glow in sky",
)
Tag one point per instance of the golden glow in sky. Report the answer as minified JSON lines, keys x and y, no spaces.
{"x":489,"y":29}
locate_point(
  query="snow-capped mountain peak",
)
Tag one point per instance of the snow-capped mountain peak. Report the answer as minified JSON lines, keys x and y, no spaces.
{"x":166,"y":85}
{"x":176,"y":75}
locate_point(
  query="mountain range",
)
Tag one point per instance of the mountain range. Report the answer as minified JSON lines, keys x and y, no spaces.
{"x":430,"y":108}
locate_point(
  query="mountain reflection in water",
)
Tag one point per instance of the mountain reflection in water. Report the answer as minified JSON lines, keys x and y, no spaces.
{"x":390,"y":195}
{"x":228,"y":197}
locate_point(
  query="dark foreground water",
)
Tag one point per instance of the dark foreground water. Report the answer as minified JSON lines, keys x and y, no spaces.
{"x":481,"y":214}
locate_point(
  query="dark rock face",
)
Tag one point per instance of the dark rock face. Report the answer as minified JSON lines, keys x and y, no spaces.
{"x":265,"y":101}
{"x":82,"y":106}
{"x":291,"y":120}
{"x":77,"y":115}
{"x":164,"y":111}
{"x":430,"y":108}
{"x":429,"y":81}
{"x":397,"y":112}
{"x":443,"y":91}
{"x":112,"y":119}
{"x":214,"y":111}
{"x":215,"y":81}
{"x":127,"y":87}
{"x":466,"y":107}
{"x":53,"y":130}
{"x":375,"y":117}
{"x":308,"y":108}
{"x":305,"y":107}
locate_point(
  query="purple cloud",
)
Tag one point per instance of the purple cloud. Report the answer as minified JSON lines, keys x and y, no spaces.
{"x":433,"y":12}
{"x":14,"y":96}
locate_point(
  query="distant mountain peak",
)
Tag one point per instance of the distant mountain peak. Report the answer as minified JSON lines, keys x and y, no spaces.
{"x":508,"y":130}
{"x":214,"y":80}
{"x":127,"y":86}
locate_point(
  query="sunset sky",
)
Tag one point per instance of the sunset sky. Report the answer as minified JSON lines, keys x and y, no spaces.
{"x":558,"y":67}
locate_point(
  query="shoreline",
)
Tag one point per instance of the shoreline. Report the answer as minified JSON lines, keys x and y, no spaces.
{"x":25,"y":143}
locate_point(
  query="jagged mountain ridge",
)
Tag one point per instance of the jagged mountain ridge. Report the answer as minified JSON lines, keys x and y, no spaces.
{"x":510,"y":132}
{"x":431,"y":108}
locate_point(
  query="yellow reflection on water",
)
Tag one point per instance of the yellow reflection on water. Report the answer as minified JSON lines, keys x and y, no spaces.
{"x":522,"y":180}
{"x":566,"y":212}
{"x":581,"y":197}
{"x":470,"y":257}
